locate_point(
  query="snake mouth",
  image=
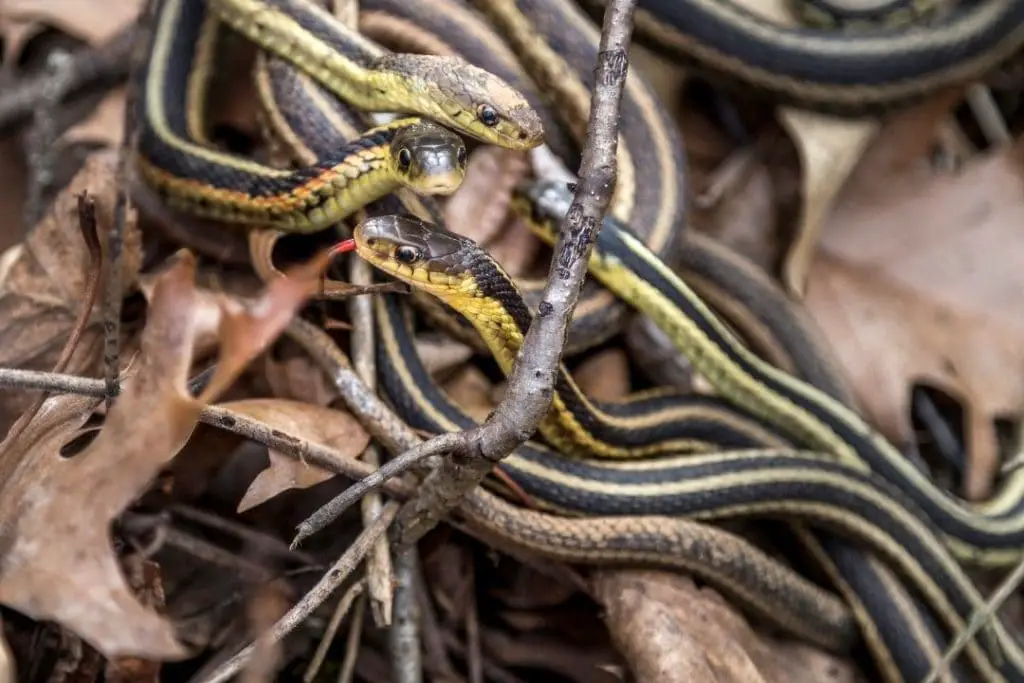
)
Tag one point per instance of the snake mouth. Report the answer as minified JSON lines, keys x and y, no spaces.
{"x":440,"y":184}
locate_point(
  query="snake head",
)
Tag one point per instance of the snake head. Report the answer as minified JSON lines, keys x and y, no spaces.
{"x":466,"y":98}
{"x":542,"y":204}
{"x":428,"y":158}
{"x":426,"y":256}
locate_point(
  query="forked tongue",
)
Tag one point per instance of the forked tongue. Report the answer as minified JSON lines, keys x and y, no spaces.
{"x":344,"y":247}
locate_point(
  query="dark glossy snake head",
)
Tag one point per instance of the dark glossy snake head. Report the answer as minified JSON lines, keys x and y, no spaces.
{"x":424,"y":255}
{"x":466,"y":98}
{"x":542,"y":205}
{"x":429,"y":158}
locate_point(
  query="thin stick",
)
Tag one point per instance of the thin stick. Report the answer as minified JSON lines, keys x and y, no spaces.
{"x":223,"y":418}
{"x":90,"y":66}
{"x":296,"y":447}
{"x":53,"y":382}
{"x":531,"y":384}
{"x":404,"y":635}
{"x":334,"y":508}
{"x":112,"y":293}
{"x":317,"y":595}
{"x":354,"y":591}
{"x":379,"y":573}
{"x":981,"y":617}
{"x":355,"y":634}
{"x":41,"y":141}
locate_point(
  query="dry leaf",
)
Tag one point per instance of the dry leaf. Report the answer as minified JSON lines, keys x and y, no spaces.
{"x":920,"y":281}
{"x":42,"y":285}
{"x":207,"y":313}
{"x":837,"y":160}
{"x":93,"y":24}
{"x":16,"y":34}
{"x":146,"y":580}
{"x":324,"y":426}
{"x":104,"y":126}
{"x":55,"y":512}
{"x":604,"y":376}
{"x":735,"y":191}
{"x":472,"y":392}
{"x":669,"y":630}
{"x":829,"y":149}
{"x":440,"y":354}
{"x":298,"y":378}
{"x":478,"y":208}
{"x":516,"y":249}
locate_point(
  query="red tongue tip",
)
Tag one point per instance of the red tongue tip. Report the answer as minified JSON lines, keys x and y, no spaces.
{"x":344,"y":246}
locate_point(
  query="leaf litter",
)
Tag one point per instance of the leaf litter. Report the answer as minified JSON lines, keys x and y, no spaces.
{"x":909,"y":272}
{"x":58,"y":561}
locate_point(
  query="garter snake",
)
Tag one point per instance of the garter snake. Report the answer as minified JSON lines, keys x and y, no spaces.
{"x":992,"y":533}
{"x":448,"y":90}
{"x":895,"y":636}
{"x":762,"y":584}
{"x":305,"y":116}
{"x":554,"y":534}
{"x":770,"y":590}
{"x":196,"y":178}
{"x":648,"y":423}
{"x":651,"y":188}
{"x":845,"y":74}
{"x":784,"y":484}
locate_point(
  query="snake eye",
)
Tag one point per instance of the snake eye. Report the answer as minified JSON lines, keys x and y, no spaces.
{"x":460,"y":156}
{"x":407,"y":254}
{"x":487,"y":115}
{"x":404,"y":157}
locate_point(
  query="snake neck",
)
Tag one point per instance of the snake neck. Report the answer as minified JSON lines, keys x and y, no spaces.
{"x":493,"y":304}
{"x":302,"y":37}
{"x":554,"y":74}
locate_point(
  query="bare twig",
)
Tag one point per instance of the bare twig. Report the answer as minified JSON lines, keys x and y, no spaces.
{"x":193,"y":545}
{"x":474,"y":657}
{"x":330,"y":582}
{"x":409,"y":459}
{"x":344,"y":604}
{"x":112,"y":294}
{"x":14,"y":378}
{"x":355,"y":634}
{"x":106,"y":64}
{"x":404,"y":635}
{"x":981,"y":617}
{"x":41,"y":141}
{"x":296,"y":447}
{"x":378,"y":564}
{"x":378,"y":419}
{"x":237,"y":423}
{"x":531,"y":384}
{"x":254,"y":539}
{"x":435,"y":653}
